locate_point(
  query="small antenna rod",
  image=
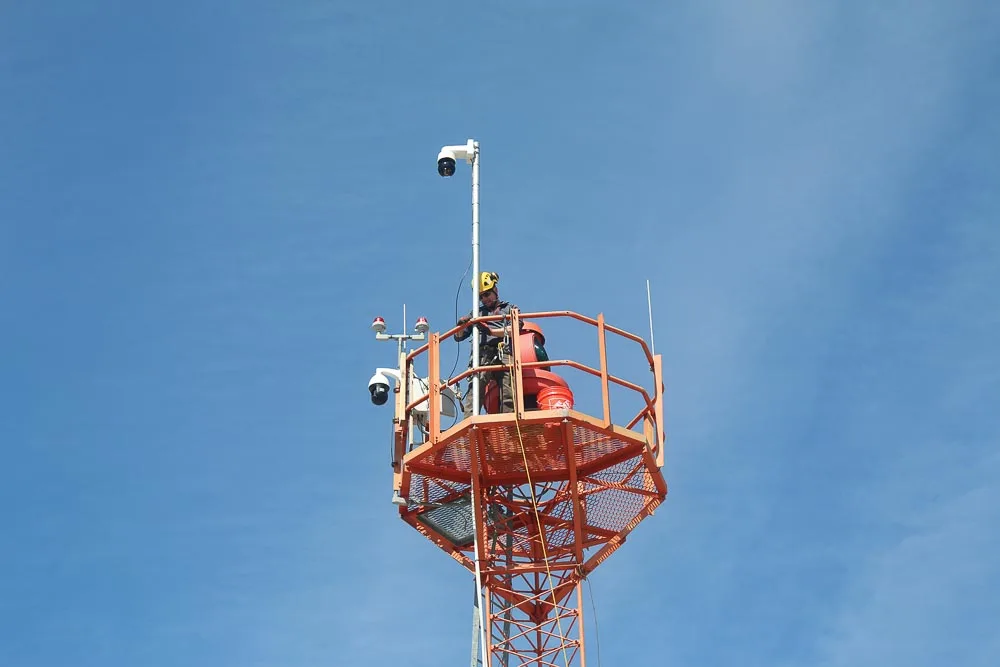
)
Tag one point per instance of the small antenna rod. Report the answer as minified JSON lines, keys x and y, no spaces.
{"x":649,"y":304}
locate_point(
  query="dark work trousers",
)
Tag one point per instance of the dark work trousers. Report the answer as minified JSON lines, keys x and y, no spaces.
{"x":502,"y":380}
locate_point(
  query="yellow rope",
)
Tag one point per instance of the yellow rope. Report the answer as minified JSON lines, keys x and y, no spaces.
{"x":534,"y":503}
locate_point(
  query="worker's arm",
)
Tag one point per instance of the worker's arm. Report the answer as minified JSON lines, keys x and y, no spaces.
{"x":498,"y":332}
{"x":499,"y":329}
{"x":462,"y":334}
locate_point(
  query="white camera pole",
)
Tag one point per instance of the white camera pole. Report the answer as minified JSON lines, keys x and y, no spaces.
{"x":446,"y":167}
{"x":475,"y":377}
{"x":475,"y":273}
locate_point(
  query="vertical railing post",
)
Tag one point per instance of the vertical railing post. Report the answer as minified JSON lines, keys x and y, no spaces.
{"x":576,"y":502}
{"x":434,"y":388}
{"x":401,"y":417}
{"x":516,"y":380}
{"x":649,"y":431}
{"x":602,"y":347}
{"x":401,"y":432}
{"x":658,"y":407}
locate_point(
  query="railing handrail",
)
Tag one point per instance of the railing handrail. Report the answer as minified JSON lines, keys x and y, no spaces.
{"x":539,"y":364}
{"x":540,"y":315}
{"x":651,"y":412}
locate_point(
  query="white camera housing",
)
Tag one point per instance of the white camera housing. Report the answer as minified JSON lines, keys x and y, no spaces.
{"x":378,"y":387}
{"x":449,"y":155}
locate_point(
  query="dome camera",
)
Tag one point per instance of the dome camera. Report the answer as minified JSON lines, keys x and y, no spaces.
{"x":446,"y":163}
{"x":449,"y":155}
{"x":378,"y":387}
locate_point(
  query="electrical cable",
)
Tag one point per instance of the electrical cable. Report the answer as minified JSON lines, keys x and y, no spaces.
{"x":392,"y":448}
{"x":458,"y":348}
{"x":458,"y":293}
{"x":597,"y":631}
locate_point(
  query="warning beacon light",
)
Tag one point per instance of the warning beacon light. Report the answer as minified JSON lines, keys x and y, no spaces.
{"x":422,"y":326}
{"x":378,"y":325}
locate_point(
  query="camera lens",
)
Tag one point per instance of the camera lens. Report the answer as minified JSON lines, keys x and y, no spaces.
{"x":446,"y":166}
{"x":380,"y":393}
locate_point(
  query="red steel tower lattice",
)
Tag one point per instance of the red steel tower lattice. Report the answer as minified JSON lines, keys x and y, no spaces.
{"x":532,"y":502}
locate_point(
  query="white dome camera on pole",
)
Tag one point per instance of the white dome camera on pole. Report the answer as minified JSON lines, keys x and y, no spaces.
{"x":446,"y":167}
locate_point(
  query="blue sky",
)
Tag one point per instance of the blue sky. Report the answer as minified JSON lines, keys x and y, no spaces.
{"x":203,"y":205}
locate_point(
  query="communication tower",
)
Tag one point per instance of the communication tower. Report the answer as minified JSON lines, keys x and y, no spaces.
{"x":530,"y":502}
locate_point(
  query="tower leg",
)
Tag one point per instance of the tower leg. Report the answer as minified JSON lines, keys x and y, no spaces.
{"x":531,"y":578}
{"x":477,"y":631}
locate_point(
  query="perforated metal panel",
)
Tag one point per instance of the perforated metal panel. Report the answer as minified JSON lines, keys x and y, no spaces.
{"x":453,"y":521}
{"x":508,"y":446}
{"x":615,"y":487}
{"x":425,"y":489}
{"x":613,"y":508}
{"x":455,"y":456}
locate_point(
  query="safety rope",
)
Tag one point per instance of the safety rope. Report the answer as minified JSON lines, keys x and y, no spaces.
{"x":531,"y":487}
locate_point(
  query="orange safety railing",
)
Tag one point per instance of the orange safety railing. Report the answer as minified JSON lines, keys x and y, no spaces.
{"x":651,"y":414}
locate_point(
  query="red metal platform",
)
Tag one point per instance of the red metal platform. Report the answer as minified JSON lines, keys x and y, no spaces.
{"x":545,"y":495}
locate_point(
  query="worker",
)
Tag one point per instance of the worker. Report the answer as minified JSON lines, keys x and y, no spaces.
{"x":492,"y":338}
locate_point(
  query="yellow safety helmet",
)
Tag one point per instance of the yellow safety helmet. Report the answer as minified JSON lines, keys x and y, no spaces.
{"x":487,"y":281}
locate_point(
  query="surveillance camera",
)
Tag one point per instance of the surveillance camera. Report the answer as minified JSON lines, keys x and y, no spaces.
{"x":446,"y":163}
{"x":449,"y":154}
{"x":378,"y":386}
